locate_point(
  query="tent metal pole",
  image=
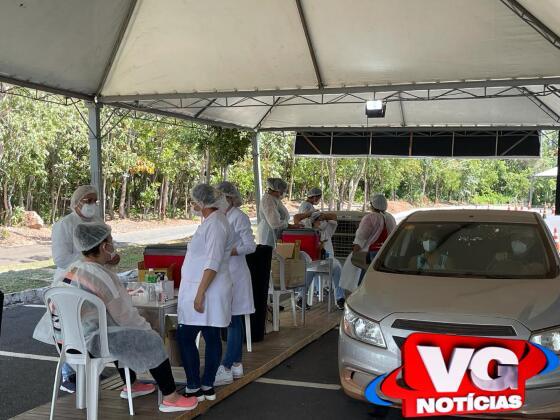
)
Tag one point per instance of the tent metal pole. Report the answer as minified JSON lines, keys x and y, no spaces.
{"x":557,"y":197}
{"x":94,"y":135}
{"x":257,"y":172}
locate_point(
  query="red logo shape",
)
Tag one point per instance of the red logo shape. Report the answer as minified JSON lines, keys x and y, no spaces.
{"x":447,"y":374}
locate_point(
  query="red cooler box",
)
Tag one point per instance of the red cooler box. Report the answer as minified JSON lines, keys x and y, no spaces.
{"x":163,"y":256}
{"x":310,"y":240}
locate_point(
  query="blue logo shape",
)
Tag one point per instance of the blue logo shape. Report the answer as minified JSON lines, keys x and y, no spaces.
{"x":371,"y":392}
{"x":552,"y":360}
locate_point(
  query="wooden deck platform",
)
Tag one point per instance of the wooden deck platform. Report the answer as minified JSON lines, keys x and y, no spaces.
{"x":276,"y":347}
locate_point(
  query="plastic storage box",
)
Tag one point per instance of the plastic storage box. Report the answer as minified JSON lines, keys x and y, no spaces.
{"x":310,"y":240}
{"x":160,"y":256}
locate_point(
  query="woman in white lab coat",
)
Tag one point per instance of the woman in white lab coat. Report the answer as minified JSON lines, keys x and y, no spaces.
{"x":205,"y":294}
{"x":274,"y":215}
{"x":242,"y":304}
{"x":84,"y":209}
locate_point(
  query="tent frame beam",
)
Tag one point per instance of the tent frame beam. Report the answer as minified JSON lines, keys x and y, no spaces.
{"x":116,"y":46}
{"x":540,"y":104}
{"x":46,"y":88}
{"x":312,"y":53}
{"x":533,"y":22}
{"x":403,"y":88}
{"x":398,"y":129}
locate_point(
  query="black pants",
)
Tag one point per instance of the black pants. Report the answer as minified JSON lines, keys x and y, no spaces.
{"x":161,"y":374}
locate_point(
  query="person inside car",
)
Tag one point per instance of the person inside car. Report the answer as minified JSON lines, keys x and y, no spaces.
{"x":432,"y":258}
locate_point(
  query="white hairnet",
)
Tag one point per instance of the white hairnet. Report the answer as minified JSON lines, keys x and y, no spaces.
{"x":379,"y":202}
{"x":314,"y":192}
{"x":277,"y":184}
{"x":231,"y":191}
{"x":206,"y":196}
{"x":88,"y":235}
{"x":80,"y":193}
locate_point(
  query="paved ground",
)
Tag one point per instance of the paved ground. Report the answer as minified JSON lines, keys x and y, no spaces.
{"x":27,"y":371}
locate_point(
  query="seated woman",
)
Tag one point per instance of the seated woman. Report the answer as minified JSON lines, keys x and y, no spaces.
{"x":131,"y":339}
{"x":432,"y":258}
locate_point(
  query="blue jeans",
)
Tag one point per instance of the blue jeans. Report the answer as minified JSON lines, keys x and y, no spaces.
{"x":186,"y":336}
{"x":234,"y":348}
{"x":336,"y":272}
{"x":67,"y":371}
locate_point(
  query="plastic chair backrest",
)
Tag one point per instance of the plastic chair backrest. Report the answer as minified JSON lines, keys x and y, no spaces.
{"x":68,"y":302}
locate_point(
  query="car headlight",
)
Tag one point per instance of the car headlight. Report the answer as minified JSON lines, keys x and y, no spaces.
{"x":548,"y":338}
{"x":362,"y":329}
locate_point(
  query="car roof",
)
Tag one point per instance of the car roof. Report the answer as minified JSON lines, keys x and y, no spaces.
{"x":473,"y":215}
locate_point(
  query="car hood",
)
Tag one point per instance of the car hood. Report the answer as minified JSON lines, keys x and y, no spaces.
{"x":533,"y":302}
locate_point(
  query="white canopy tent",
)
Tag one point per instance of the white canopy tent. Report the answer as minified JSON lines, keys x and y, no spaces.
{"x":290,"y":65}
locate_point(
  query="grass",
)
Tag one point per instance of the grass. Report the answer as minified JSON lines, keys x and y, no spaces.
{"x":20,"y":277}
{"x":17,"y":281}
{"x":130,"y":257}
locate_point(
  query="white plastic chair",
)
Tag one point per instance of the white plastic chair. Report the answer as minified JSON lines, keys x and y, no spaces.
{"x":276,"y":293}
{"x":321,"y":280}
{"x":68,"y":302}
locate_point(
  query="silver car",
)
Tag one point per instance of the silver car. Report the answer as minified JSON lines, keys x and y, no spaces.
{"x":465,"y":272}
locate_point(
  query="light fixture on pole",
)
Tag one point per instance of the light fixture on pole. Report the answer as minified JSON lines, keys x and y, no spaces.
{"x":375,"y":109}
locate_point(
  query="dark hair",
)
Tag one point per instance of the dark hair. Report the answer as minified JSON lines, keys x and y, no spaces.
{"x":95,"y":251}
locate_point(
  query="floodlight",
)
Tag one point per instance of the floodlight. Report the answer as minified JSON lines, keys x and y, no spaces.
{"x":375,"y":109}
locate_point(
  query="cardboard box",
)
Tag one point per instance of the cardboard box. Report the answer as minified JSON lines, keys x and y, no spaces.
{"x":168,"y":271}
{"x":285,"y":249}
{"x":170,"y":339}
{"x":294,"y":266}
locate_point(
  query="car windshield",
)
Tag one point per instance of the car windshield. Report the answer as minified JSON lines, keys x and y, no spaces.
{"x":454,"y":249}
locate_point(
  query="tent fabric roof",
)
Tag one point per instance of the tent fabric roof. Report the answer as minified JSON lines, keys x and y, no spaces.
{"x":277,"y":64}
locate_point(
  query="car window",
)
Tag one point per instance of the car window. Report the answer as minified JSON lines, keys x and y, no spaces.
{"x":498,"y":250}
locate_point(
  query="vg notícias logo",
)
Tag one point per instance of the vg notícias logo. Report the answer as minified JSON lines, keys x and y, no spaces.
{"x":446,"y":374}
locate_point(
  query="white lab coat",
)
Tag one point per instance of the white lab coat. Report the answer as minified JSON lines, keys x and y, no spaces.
{"x":274,"y":218}
{"x":63,"y":250}
{"x":210,"y":248}
{"x":244,"y":242}
{"x":371,"y":227}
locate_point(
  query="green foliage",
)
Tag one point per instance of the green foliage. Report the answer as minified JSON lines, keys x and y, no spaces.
{"x":150,"y":168}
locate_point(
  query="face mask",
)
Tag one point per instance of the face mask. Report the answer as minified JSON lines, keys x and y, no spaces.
{"x":429,"y":245}
{"x":89,"y":210}
{"x":518,"y":247}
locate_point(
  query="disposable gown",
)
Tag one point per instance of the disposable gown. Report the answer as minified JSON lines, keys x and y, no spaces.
{"x":63,"y":250}
{"x":131,"y":339}
{"x":371,"y":227}
{"x":274,"y":218}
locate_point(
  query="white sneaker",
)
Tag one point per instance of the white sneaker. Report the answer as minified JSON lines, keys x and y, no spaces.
{"x":223,"y":376}
{"x":237,"y":371}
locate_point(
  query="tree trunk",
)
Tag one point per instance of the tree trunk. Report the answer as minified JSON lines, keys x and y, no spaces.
{"x":291,"y":181}
{"x":55,"y":203}
{"x":129,"y":196}
{"x":164,"y":198}
{"x":353,"y":186}
{"x":207,"y":166}
{"x":122,"y":201}
{"x":332,"y":183}
{"x":29,"y":201}
{"x":7,"y":204}
{"x":112,"y":194}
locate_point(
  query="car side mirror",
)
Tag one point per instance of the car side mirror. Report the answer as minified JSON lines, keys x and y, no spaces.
{"x":361,"y":259}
